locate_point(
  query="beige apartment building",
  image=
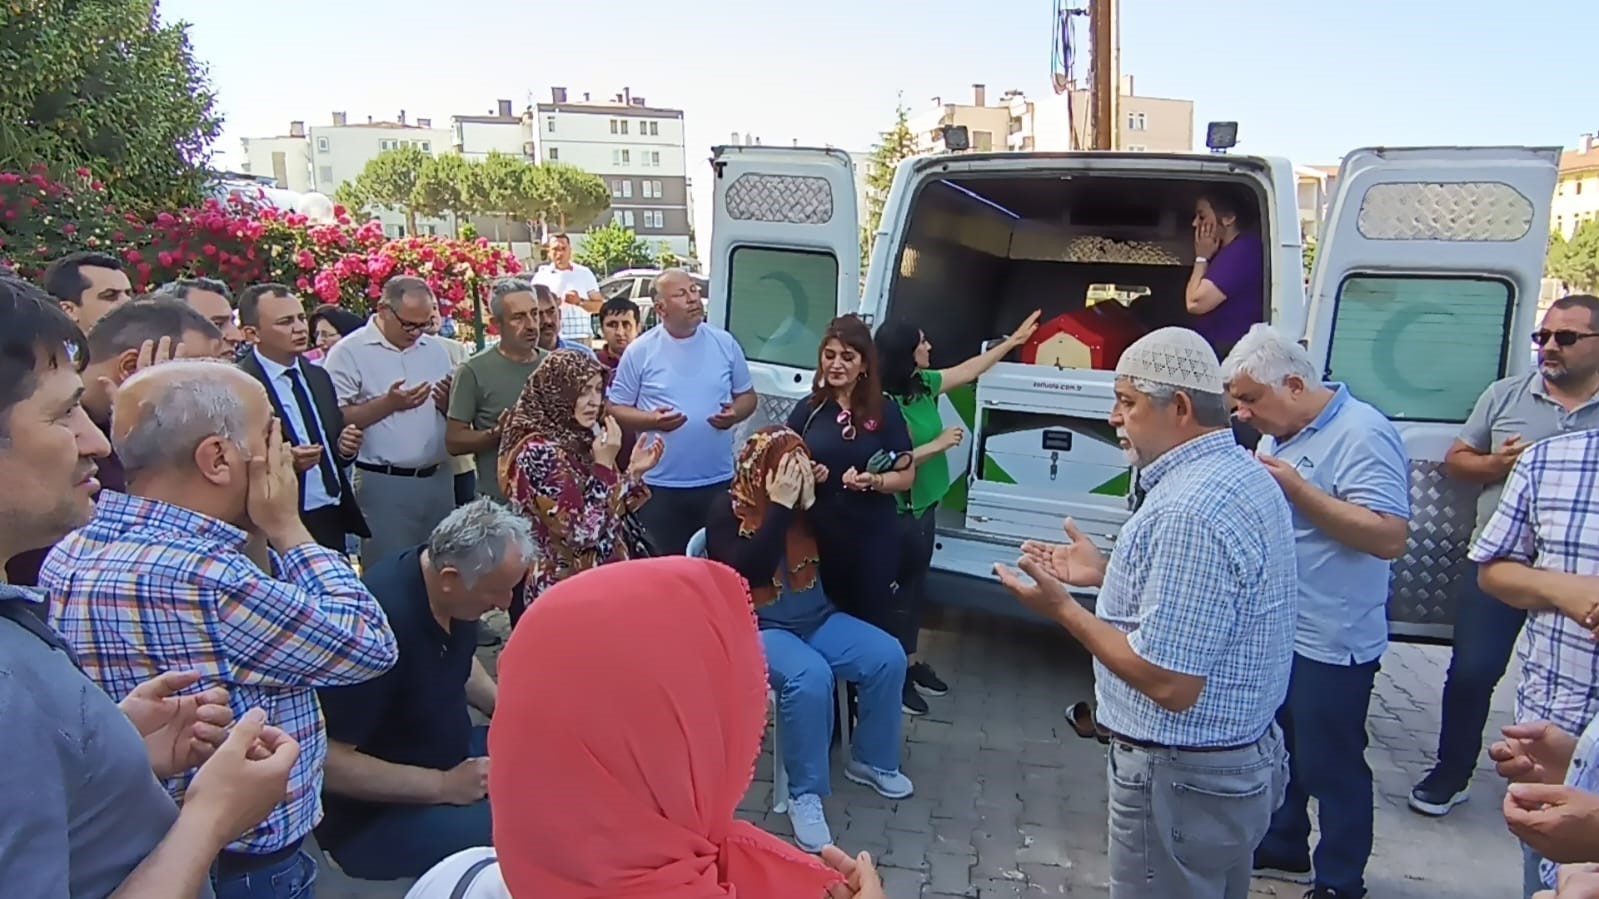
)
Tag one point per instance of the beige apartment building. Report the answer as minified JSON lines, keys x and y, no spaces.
{"x":1577,"y":189}
{"x":1057,"y":122}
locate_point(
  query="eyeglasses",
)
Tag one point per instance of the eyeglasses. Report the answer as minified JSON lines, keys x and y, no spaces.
{"x":410,"y":327}
{"x":846,"y":424}
{"x":1561,"y":338}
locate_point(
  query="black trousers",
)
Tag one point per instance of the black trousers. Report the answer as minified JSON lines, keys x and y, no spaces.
{"x":326,"y":526}
{"x":674,"y":514}
{"x":860,"y":563}
{"x":916,"y":539}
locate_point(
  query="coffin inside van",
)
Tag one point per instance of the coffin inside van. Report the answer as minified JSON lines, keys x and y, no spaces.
{"x":1105,"y":258}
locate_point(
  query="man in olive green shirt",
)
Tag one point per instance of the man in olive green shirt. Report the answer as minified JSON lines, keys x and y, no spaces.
{"x":487,"y":385}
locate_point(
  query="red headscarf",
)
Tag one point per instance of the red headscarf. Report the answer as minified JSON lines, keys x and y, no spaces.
{"x":625,"y":736}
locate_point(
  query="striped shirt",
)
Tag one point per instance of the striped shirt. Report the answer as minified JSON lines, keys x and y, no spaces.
{"x":148,"y":587}
{"x":1203,"y":582}
{"x":1548,"y":518}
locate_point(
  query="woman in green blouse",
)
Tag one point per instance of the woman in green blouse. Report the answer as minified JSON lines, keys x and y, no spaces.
{"x":903,"y":355}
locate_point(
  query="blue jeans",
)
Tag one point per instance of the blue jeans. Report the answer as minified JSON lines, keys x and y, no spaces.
{"x":292,"y":878}
{"x":1324,"y":728}
{"x":1485,"y":636}
{"x":407,"y":840}
{"x":801,"y":668}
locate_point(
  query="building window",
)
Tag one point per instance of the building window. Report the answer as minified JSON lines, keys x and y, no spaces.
{"x":549,"y":124}
{"x":427,"y":146}
{"x":1577,"y":188}
{"x":982,"y":140}
{"x":627,"y":157}
{"x":1137,"y":121}
{"x":649,"y":190}
{"x":616,"y":188}
{"x":1137,"y":148}
{"x":624,"y":126}
{"x":324,"y":176}
{"x":322,"y":145}
{"x":555,"y":154}
{"x":655,"y":129}
{"x":627,"y":189}
{"x":614,"y":127}
{"x":1382,"y":321}
{"x":654,"y":218}
{"x":655,"y":158}
{"x":627,"y":217}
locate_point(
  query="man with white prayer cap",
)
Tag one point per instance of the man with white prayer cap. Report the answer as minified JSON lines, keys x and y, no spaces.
{"x":1192,"y":634}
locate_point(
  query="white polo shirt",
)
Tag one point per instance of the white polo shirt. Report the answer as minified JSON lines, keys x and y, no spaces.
{"x":576,"y":324}
{"x":363,"y":367}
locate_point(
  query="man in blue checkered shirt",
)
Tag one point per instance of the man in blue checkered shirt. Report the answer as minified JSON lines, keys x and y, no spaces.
{"x":1540,"y":552}
{"x":1192,"y":635}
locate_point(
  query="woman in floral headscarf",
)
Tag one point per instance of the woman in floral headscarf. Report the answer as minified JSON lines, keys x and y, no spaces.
{"x":763,"y":533}
{"x":558,"y":466}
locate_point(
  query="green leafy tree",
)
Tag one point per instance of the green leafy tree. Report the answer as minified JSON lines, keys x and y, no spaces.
{"x":665,"y":258}
{"x":1575,"y":261}
{"x":447,"y":185}
{"x":612,"y":247}
{"x":507,"y":186}
{"x":1307,"y":253}
{"x":571,"y":198}
{"x":105,"y":85}
{"x":894,"y":145}
{"x":389,"y":182}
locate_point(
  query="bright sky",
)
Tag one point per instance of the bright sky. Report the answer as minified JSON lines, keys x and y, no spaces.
{"x":1309,"y":80}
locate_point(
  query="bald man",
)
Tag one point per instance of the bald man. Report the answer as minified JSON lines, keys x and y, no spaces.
{"x":689,"y":382}
{"x":159,"y":580}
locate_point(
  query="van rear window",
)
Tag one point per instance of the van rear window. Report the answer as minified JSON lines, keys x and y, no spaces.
{"x":1420,"y":348}
{"x":779,"y":303}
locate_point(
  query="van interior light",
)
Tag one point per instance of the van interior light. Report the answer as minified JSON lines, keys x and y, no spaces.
{"x":980,"y":198}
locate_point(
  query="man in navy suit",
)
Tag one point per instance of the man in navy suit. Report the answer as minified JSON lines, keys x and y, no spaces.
{"x":273,"y":320}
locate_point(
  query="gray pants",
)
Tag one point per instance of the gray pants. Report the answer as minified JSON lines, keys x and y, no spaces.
{"x":1186,"y":824}
{"x":401,"y":512}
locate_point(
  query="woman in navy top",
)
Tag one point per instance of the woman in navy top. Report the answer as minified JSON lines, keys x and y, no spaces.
{"x":861,"y":449}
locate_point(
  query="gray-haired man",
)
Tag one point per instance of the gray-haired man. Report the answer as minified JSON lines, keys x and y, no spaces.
{"x":386,"y":375}
{"x":1192,"y":634}
{"x":488,"y":384}
{"x":406,"y":770}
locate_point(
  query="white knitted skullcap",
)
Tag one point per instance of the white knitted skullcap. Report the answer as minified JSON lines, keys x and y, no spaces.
{"x":1176,"y":357}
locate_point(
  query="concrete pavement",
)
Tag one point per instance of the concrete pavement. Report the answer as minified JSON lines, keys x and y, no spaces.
{"x":1011,"y":803}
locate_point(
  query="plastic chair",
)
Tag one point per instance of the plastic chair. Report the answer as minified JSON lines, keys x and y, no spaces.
{"x":696,"y":549}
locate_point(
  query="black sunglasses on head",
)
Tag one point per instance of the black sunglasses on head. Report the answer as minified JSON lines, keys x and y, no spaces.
{"x":1562,"y":337}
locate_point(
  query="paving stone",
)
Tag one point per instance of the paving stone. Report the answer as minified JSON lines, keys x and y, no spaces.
{"x":1005,"y":788}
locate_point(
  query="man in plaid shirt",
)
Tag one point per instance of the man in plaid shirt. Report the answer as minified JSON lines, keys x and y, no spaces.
{"x":160,"y":580}
{"x":1540,"y":552}
{"x":1192,"y":632}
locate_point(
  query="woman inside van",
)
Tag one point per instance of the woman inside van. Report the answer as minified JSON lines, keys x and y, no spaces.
{"x":1227,"y":290}
{"x":914,"y":386}
{"x":764,"y":533}
{"x":862,"y":458}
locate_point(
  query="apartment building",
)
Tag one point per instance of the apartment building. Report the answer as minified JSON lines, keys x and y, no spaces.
{"x":1577,"y":189}
{"x":286,"y":158}
{"x":1057,"y":122}
{"x":636,"y":148}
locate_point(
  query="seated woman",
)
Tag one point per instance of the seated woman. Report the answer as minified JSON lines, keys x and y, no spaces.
{"x":763,"y":533}
{"x":558,"y":467}
{"x":625,"y":736}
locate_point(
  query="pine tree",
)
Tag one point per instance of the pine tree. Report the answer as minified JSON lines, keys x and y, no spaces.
{"x":896,"y":144}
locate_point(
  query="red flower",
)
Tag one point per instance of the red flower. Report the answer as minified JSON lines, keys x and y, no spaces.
{"x":81,"y":172}
{"x":209,"y":249}
{"x":69,"y":228}
{"x":166,"y":259}
{"x":95,"y":185}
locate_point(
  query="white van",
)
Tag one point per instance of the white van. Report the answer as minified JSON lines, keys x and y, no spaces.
{"x":1425,"y":290}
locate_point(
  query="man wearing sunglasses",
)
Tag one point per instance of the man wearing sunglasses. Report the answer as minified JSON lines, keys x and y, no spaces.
{"x":390,"y":378}
{"x":1513,"y":413}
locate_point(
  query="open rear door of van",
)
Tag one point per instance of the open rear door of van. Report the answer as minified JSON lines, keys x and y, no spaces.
{"x":785,"y":260}
{"x":1424,"y":292}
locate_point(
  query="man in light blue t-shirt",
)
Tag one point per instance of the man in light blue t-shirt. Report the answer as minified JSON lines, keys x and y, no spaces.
{"x":1342,"y":466}
{"x":688,"y":382}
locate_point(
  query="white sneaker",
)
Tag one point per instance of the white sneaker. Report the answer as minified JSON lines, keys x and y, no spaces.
{"x":810,"y":822}
{"x":888,"y":784}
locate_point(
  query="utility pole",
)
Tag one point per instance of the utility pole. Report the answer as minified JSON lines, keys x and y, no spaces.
{"x":1104,"y":59}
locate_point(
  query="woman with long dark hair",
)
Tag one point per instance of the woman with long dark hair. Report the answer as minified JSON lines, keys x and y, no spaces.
{"x":909,"y":380}
{"x":861,"y":453}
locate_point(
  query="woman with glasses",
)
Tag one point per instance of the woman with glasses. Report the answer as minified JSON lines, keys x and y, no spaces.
{"x":861,"y":453}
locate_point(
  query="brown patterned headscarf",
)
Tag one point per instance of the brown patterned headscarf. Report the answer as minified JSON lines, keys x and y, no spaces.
{"x":546,"y":409}
{"x":756,"y":462}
